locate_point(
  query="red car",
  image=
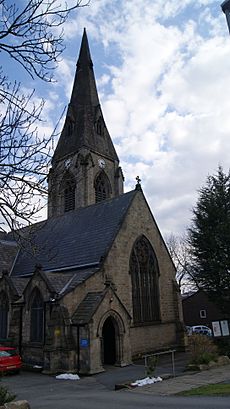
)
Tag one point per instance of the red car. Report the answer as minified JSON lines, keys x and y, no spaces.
{"x":10,"y":361}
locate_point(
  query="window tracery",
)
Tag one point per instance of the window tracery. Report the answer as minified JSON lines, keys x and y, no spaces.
{"x":144,"y":275}
{"x":102,"y":187}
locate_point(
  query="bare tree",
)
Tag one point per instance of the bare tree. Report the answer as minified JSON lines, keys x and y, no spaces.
{"x":179,"y":250}
{"x":31,"y":34}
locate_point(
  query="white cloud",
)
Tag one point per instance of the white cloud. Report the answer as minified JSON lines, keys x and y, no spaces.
{"x":169,"y":105}
{"x":163,"y":78}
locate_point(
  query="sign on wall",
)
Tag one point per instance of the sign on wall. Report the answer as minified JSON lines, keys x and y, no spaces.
{"x":224,"y":328}
{"x":220,"y":328}
{"x":84,"y":342}
{"x":216,"y":328}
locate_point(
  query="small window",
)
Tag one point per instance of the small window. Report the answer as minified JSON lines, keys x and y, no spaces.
{"x":69,"y":197}
{"x":202,"y":313}
{"x":37,"y":318}
{"x":100,"y":127}
{"x":69,"y":187}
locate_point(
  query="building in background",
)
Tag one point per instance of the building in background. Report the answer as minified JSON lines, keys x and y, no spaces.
{"x":198,"y":309}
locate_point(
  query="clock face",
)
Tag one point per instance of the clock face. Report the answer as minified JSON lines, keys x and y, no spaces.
{"x":101,"y":163}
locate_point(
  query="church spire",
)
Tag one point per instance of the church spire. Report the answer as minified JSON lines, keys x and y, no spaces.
{"x":85,"y":167}
{"x":84,"y":126}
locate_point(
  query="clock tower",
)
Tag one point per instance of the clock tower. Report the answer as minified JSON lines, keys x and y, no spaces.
{"x":85,"y":166}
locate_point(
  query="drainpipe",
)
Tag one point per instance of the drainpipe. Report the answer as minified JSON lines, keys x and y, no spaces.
{"x":78,"y":344}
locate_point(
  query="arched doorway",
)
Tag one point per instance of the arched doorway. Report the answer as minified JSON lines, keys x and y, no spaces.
{"x":109,"y":342}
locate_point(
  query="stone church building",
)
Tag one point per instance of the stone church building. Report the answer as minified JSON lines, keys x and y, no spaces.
{"x":93,"y":285}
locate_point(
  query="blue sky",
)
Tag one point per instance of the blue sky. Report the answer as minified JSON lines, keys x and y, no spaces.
{"x":162,"y":70}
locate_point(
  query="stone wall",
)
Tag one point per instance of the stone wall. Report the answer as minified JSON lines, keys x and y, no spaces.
{"x":20,"y":404}
{"x":139,"y":221}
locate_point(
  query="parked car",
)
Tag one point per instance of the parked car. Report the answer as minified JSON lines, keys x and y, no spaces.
{"x":10,"y":361}
{"x":188,"y":330}
{"x":201,"y":329}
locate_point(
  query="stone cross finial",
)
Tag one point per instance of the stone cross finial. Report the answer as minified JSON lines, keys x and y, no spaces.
{"x":138,"y":185}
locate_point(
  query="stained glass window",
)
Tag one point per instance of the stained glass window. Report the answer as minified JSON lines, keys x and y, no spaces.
{"x":145,"y":289}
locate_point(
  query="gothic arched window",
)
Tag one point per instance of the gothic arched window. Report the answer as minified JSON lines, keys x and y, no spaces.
{"x":4,"y":309}
{"x":102,"y":187}
{"x":37,"y":317}
{"x":69,"y":193}
{"x":144,"y":275}
{"x":100,"y":126}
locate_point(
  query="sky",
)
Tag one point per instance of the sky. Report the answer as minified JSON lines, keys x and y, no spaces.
{"x":162,"y":72}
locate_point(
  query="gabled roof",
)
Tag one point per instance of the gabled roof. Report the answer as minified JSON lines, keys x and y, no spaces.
{"x":87,"y":307}
{"x":19,"y":284}
{"x":77,"y":240}
{"x":16,"y":285}
{"x":62,"y":283}
{"x":80,"y":130}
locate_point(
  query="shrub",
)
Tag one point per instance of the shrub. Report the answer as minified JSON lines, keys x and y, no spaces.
{"x":202,"y":349}
{"x":223,"y":346}
{"x":5,"y":395}
{"x":151,"y":365}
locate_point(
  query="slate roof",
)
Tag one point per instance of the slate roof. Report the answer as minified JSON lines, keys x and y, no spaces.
{"x":8,"y":251}
{"x":87,"y":308}
{"x":77,"y":240}
{"x":83,"y":111}
{"x":19,"y":284}
{"x":62,"y":283}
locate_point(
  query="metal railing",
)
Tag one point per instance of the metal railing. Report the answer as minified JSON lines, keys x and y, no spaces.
{"x":170,"y":351}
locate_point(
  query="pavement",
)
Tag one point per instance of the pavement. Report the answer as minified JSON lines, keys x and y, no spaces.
{"x":114,"y":378}
{"x":187,"y":382}
{"x":97,"y":391}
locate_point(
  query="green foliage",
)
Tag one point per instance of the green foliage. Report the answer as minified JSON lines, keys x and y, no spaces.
{"x":223,"y":345}
{"x":209,"y":390}
{"x":151,"y":365}
{"x":5,"y":395}
{"x":202,"y":349}
{"x":209,"y":238}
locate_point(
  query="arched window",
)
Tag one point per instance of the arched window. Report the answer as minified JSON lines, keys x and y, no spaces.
{"x":144,"y":274}
{"x":37,"y":317}
{"x":69,"y":186}
{"x":102,"y":187}
{"x":4,"y":309}
{"x":100,"y":126}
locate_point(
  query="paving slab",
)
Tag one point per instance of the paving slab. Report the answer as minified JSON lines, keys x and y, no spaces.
{"x":187,"y":382}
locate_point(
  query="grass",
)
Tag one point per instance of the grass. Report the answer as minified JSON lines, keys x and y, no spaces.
{"x":218,"y":389}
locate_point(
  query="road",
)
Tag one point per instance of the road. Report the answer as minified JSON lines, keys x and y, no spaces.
{"x":46,"y":392}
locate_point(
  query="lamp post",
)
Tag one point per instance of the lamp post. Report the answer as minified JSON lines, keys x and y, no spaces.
{"x":226,"y":10}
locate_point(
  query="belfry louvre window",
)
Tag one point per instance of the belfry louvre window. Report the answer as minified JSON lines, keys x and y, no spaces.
{"x":69,"y":194}
{"x":102,"y":187}
{"x":4,"y":309}
{"x":37,"y":318}
{"x":145,"y":287}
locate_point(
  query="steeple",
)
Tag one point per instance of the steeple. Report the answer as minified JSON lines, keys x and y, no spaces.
{"x":85,"y":166}
{"x":84,"y":125}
